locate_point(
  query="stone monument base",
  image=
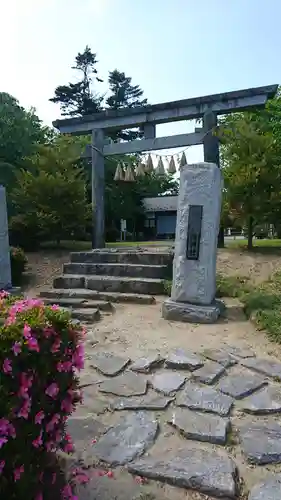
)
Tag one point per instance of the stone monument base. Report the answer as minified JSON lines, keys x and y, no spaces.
{"x":192,"y":313}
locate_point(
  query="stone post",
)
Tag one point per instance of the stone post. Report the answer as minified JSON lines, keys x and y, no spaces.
{"x":98,"y":237}
{"x":5,"y":262}
{"x":194,"y":268}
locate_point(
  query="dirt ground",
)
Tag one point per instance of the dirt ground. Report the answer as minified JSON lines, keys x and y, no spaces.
{"x":136,"y":330}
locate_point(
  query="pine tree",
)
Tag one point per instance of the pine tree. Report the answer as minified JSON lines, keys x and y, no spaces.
{"x":78,"y":99}
{"x":124,"y":95}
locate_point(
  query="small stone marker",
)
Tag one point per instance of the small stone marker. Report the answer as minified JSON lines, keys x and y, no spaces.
{"x":261,"y":442}
{"x":127,"y":384}
{"x":127,"y":440}
{"x":204,"y":399}
{"x":194,"y":269}
{"x":270,"y":489}
{"x":109,"y":364}
{"x":145,"y":365}
{"x":220,"y":356}
{"x":168,"y":383}
{"x":183,"y":360}
{"x":267,"y":366}
{"x":240,"y":385}
{"x":203,"y":470}
{"x":147,"y":402}
{"x":5,"y":262}
{"x":264,"y":402}
{"x":209,"y":373}
{"x":200,"y":426}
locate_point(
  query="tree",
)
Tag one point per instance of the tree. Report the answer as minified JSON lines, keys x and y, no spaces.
{"x":78,"y":99}
{"x":20,"y":132}
{"x":124,"y":95}
{"x":50,"y":197}
{"x":251,"y":161}
{"x":123,"y":200}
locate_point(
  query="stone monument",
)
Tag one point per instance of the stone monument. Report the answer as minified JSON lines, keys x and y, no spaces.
{"x":5,"y":262}
{"x":194,"y":268}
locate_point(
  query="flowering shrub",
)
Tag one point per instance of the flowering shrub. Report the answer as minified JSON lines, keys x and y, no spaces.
{"x":40,"y":353}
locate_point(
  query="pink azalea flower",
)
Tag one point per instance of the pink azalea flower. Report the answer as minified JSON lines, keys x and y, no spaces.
{"x":65,"y":366}
{"x":82,"y":478}
{"x":18,"y":472}
{"x":67,"y":493}
{"x":50,"y":445}
{"x":68,"y":448}
{"x":7,"y":366}
{"x":4,"y":294}
{"x":33,"y":344}
{"x":12,"y":431}
{"x":54,"y":420}
{"x":39,"y":417}
{"x":52,"y":390}
{"x":2,"y":465}
{"x":3,"y":441}
{"x":56,"y":345}
{"x":38,"y":441}
{"x":66,"y":405}
{"x":16,"y":348}
{"x":39,"y":496}
{"x":55,"y":307}
{"x":26,"y":331}
{"x":25,"y":409}
{"x":4,"y":426}
{"x":78,"y":357}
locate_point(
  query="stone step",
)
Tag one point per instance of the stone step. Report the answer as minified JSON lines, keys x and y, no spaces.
{"x":82,"y":293}
{"x":135,"y":256}
{"x":85,"y":314}
{"x":116,"y":269}
{"x":80,"y":303}
{"x":124,"y":284}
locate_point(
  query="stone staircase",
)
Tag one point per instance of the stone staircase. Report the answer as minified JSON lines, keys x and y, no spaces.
{"x":94,"y":280}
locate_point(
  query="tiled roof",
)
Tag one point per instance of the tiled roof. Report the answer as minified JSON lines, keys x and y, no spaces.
{"x":161,"y":204}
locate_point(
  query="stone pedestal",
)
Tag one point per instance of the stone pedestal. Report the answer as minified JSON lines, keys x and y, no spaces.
{"x":5,"y":263}
{"x":194,"y":268}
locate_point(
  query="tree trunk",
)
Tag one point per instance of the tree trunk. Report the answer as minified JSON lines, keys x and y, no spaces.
{"x":250,"y":233}
{"x":221,"y":237}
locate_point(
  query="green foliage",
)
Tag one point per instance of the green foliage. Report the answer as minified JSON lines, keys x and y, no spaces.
{"x":80,"y":98}
{"x":232,"y":286}
{"x":40,"y":353}
{"x":251,"y":160}
{"x":77,"y":99}
{"x":18,"y":264}
{"x":123,"y":200}
{"x":124,"y":95}
{"x":50,"y":197}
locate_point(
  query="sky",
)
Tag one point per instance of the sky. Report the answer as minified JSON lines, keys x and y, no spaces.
{"x":174,"y":49}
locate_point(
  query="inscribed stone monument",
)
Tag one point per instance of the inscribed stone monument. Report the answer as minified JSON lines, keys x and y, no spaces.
{"x":5,"y":264}
{"x":194,"y":268}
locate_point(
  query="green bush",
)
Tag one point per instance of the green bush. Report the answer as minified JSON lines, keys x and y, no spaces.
{"x":40,"y":353}
{"x":25,"y":232}
{"x":18,"y":264}
{"x":232,"y":286}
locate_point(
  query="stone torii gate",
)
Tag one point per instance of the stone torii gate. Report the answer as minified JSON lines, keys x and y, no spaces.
{"x":147,"y":117}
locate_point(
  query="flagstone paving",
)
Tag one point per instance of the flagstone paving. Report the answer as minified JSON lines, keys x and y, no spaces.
{"x":185,"y":419}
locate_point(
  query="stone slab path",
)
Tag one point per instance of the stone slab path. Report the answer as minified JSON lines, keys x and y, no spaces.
{"x":179,"y":423}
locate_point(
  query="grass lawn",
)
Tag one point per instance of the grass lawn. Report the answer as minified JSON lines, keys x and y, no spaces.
{"x":262,"y":246}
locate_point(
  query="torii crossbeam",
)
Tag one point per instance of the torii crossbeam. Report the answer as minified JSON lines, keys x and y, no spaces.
{"x":147,"y":117}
